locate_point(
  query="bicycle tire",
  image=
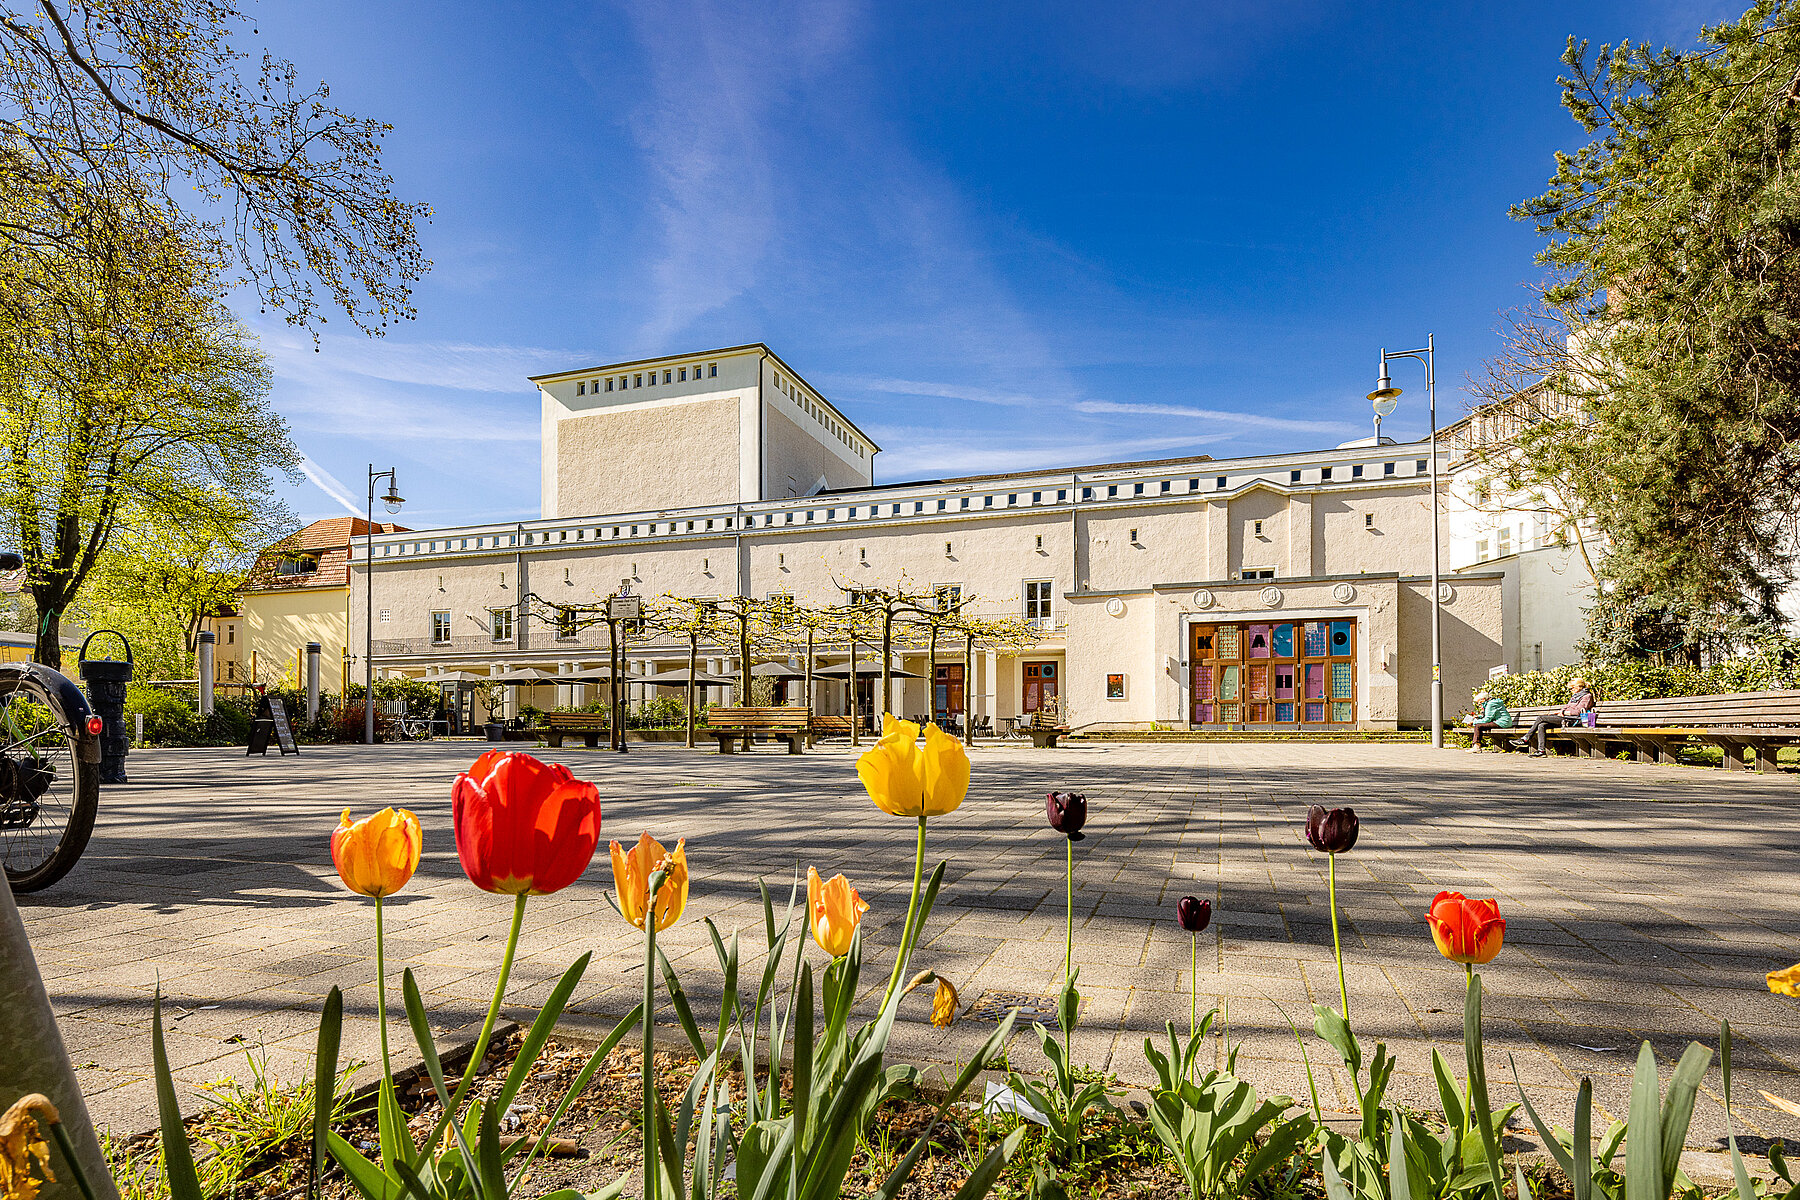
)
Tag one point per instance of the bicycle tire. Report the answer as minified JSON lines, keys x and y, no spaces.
{"x":79,"y":800}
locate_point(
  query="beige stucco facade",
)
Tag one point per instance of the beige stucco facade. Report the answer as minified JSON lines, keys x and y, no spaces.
{"x":274,"y":630}
{"x":1115,"y":564}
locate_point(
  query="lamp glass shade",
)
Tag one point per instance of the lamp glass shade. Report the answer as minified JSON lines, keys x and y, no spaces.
{"x":1386,"y":401}
{"x":392,"y":501}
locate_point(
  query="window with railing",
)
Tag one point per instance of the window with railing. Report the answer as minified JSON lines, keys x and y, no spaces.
{"x":500,"y":621}
{"x":440,"y":628}
{"x":1037,"y":601}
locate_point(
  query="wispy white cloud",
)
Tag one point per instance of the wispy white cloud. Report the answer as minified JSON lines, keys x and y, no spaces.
{"x":460,"y":366}
{"x":327,"y":483}
{"x":921,"y":453}
{"x":1252,"y":420}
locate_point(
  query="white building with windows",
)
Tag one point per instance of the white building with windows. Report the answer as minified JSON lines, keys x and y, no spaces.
{"x":1278,"y":591}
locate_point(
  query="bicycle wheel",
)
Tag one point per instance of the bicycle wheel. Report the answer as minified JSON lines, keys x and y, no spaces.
{"x":48,"y":796}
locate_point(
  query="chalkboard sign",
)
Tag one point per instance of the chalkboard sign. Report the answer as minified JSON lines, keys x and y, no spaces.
{"x":271,"y":721}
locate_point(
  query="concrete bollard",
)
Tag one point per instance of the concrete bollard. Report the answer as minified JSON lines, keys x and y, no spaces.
{"x":312,"y":681}
{"x":207,"y":640}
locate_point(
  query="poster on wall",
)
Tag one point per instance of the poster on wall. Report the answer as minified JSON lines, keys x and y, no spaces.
{"x":1115,"y":687}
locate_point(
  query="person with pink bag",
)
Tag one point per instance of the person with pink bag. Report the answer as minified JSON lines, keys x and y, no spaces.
{"x":1575,"y":712}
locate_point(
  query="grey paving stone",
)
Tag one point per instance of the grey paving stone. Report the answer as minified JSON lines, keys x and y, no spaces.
{"x":1642,"y":902}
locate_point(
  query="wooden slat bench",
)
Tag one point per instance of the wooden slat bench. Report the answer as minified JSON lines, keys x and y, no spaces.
{"x":1748,"y":727}
{"x":590,"y":727}
{"x":829,"y":725}
{"x":732,"y":725}
{"x":1044,"y":731}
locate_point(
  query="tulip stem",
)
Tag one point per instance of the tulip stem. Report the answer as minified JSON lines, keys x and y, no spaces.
{"x":1468,"y":1083}
{"x":487,"y":1026}
{"x":1194,"y":987}
{"x":1069,"y":905}
{"x":387,"y":1066}
{"x":1337,"y":946}
{"x":652,"y":1178}
{"x":908,"y":935}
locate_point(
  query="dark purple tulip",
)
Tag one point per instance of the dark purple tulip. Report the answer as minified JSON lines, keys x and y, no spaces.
{"x":1194,"y":913}
{"x":1332,"y":830}
{"x":1067,"y":813}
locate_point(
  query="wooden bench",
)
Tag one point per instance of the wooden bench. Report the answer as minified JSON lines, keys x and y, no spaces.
{"x":829,"y":725}
{"x":1748,"y":727}
{"x":590,"y":727}
{"x":1044,"y":731}
{"x":732,"y":725}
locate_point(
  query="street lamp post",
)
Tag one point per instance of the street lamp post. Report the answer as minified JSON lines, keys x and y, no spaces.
{"x":1384,"y":397}
{"x":392,"y":502}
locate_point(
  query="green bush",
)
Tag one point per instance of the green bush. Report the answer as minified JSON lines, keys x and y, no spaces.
{"x":1771,"y":663}
{"x":168,"y":719}
{"x":422,"y":699}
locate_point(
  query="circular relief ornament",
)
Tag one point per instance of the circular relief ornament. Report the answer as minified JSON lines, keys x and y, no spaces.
{"x":1446,"y":593}
{"x":1115,"y":607}
{"x":1270,"y":596}
{"x":1203,"y":599}
{"x":1343,"y":593}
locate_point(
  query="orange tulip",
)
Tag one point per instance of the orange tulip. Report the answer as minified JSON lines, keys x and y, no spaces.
{"x":631,"y":878}
{"x":376,"y":855}
{"x":1466,"y":931}
{"x":1786,"y":982}
{"x":835,"y":910}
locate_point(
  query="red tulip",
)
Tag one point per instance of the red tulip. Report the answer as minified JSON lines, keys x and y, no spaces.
{"x":523,"y":827}
{"x":1466,"y":931}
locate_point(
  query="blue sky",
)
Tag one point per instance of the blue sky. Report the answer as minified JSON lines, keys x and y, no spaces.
{"x":998,"y":236}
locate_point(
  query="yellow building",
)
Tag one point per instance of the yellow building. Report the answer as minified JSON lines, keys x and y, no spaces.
{"x":299,"y":592}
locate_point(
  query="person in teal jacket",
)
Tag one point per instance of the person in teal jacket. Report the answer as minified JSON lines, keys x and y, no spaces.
{"x":1493,"y":715}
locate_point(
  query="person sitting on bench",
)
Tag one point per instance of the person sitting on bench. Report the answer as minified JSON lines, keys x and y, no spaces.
{"x":1494,"y":715}
{"x":1581,"y":702}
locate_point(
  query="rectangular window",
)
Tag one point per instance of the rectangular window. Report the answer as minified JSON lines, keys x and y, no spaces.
{"x":1087,"y":493}
{"x":1325,"y":473}
{"x":1504,"y":546}
{"x":1165,"y":487}
{"x":440,"y":628}
{"x":1112,"y":491}
{"x":1387,"y":468}
{"x":1137,"y":489}
{"x":1037,"y":600}
{"x":1061,"y":496}
{"x":1481,"y":550}
{"x":1368,"y":520}
{"x":681,"y":375}
{"x":501,"y":622}
{"x":1221,"y":481}
{"x":1356,"y":471}
{"x":637,"y":381}
{"x":609,"y":383}
{"x":1258,"y":528}
{"x":668,"y":377}
{"x":1257,"y":573}
{"x":1293,"y":477}
{"x":712,"y":370}
{"x":1422,"y":465}
{"x":566,"y":626}
{"x":581,"y":388}
{"x":949,"y":597}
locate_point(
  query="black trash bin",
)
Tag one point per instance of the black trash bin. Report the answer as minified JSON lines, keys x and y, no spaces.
{"x":106,"y":680}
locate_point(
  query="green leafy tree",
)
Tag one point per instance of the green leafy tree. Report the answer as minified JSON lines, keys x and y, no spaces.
{"x":127,"y":390}
{"x":1670,"y":321}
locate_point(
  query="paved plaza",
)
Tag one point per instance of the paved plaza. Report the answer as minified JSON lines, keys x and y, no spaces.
{"x":1641,"y":902}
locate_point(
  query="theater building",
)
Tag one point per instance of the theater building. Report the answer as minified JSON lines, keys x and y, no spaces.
{"x":1285,"y":591}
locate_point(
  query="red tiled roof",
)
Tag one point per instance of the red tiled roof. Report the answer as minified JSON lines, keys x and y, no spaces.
{"x":330,"y":540}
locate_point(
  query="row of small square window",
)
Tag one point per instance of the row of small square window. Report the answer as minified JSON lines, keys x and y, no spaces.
{"x":643,"y":378}
{"x":816,"y":411}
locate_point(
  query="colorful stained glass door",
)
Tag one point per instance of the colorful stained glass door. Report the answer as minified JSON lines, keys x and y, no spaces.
{"x":1300,"y":673}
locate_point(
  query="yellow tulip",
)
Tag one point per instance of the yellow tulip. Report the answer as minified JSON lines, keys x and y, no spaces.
{"x":631,"y":878}
{"x":24,"y":1153}
{"x":835,"y":910}
{"x":376,"y":855}
{"x":1786,"y":983}
{"x":907,"y":780}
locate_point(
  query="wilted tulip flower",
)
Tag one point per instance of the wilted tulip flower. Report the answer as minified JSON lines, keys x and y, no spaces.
{"x":1466,"y":931}
{"x":1194,"y":913}
{"x":1332,"y":830}
{"x":1067,"y":813}
{"x":1786,"y":982}
{"x":523,"y":827}
{"x":944,"y":1004}
{"x":378,"y":854}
